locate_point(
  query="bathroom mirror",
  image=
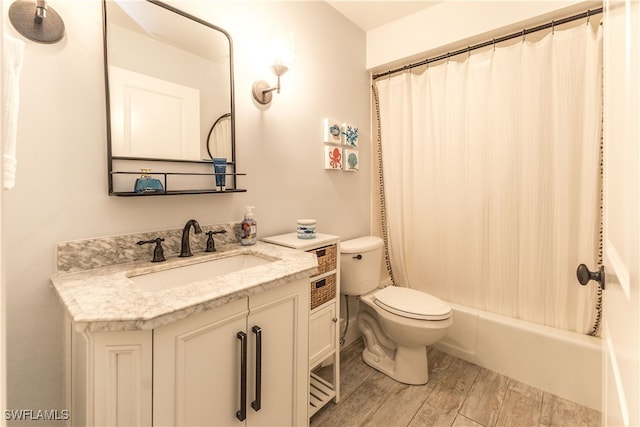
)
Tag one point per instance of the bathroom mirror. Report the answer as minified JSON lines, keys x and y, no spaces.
{"x":169,"y":80}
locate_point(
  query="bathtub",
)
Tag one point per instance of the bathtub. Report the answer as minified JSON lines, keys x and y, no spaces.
{"x":560,"y":362}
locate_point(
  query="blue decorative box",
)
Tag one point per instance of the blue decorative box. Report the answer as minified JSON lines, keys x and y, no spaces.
{"x":146,"y":184}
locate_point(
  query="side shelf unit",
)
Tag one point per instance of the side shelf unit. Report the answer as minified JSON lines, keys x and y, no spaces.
{"x":324,"y":327}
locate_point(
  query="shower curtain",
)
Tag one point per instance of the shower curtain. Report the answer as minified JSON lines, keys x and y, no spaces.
{"x":492,"y":177}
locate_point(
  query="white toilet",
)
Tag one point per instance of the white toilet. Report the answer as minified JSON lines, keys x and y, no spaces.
{"x":397,"y":323}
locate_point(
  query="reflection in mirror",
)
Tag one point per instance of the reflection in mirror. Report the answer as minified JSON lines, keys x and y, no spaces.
{"x":219,"y":136}
{"x":169,"y":81}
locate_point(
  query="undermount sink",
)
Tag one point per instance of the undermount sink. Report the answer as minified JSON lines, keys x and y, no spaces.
{"x":183,"y":275}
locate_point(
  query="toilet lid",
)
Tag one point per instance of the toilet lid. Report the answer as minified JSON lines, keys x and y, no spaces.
{"x":360,"y":244}
{"x":412,"y":303}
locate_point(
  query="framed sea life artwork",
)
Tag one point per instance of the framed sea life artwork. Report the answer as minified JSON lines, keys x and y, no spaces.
{"x":331,"y":131}
{"x":351,"y":160}
{"x":332,"y":157}
{"x":349,"y":135}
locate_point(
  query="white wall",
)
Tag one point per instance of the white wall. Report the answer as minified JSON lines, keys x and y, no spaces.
{"x":61,"y":185}
{"x":3,"y":299}
{"x":452,"y":25}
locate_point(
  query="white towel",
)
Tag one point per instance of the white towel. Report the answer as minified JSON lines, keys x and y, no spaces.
{"x":13,"y":54}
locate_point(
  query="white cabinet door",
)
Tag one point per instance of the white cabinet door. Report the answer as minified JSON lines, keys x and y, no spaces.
{"x":322,"y":333}
{"x":196,"y":365}
{"x":283,"y":317}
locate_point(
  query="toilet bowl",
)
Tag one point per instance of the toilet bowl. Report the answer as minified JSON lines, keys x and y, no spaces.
{"x":397,"y":323}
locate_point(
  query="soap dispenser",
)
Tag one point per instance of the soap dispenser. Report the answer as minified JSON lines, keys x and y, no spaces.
{"x":249,"y":227}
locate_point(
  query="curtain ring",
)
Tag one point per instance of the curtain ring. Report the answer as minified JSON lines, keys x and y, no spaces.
{"x":588,"y":16}
{"x":523,"y":35}
{"x":468,"y":52}
{"x":494,"y":44}
{"x":553,"y":27}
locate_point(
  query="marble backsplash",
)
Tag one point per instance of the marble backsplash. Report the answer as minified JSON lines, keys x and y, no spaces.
{"x":88,"y":254}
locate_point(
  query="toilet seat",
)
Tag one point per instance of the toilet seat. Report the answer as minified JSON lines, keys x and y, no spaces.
{"x":411,"y":303}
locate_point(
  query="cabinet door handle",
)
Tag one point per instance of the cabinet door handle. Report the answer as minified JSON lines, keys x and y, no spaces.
{"x":242,"y":413}
{"x":256,"y":403}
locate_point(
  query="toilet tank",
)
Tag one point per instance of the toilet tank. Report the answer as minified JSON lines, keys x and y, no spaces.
{"x":360,"y":262}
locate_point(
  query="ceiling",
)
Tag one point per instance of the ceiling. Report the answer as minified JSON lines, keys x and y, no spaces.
{"x":371,"y":14}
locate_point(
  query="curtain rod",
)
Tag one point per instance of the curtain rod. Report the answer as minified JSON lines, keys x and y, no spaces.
{"x":493,"y":42}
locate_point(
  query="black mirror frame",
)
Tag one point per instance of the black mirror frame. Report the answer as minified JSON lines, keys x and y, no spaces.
{"x":110,"y":158}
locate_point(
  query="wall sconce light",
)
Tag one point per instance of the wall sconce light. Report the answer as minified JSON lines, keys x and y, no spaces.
{"x":280,"y":54}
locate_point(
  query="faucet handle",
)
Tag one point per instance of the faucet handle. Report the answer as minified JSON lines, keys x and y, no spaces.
{"x":211,"y":244}
{"x":158,"y":251}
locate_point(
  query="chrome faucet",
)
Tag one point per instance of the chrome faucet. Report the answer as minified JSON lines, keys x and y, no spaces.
{"x":185,"y":247}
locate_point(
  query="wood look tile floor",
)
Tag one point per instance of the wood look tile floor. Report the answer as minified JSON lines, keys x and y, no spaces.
{"x":458,"y":394}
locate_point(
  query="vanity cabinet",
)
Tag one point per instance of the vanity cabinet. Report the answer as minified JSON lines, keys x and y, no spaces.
{"x":250,"y":353}
{"x":197,"y":368}
{"x":324,"y":314}
{"x":198,"y":364}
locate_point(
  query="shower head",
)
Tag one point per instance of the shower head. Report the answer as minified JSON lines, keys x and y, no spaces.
{"x":36,"y":21}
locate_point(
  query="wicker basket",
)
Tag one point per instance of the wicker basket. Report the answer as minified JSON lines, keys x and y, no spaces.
{"x":326,"y":258}
{"x":323,"y":290}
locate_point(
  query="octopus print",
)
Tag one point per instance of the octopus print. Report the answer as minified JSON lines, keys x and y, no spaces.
{"x":336,"y":158}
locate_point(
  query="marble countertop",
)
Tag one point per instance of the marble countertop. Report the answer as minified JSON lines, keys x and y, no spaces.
{"x":105,"y":299}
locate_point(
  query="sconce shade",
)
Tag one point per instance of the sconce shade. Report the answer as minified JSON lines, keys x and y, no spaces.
{"x":279,"y":58}
{"x":280,"y":50}
{"x":279,"y":69}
